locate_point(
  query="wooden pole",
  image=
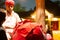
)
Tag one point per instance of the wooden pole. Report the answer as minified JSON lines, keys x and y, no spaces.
{"x":40,"y":12}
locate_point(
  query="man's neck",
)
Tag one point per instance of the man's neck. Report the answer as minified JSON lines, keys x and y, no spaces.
{"x":9,"y":13}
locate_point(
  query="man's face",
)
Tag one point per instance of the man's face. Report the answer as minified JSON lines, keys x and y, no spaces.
{"x":9,"y":8}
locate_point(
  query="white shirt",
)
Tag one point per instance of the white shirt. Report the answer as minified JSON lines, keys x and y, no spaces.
{"x":11,"y":21}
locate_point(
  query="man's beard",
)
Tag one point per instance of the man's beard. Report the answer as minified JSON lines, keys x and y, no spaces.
{"x":10,"y":11}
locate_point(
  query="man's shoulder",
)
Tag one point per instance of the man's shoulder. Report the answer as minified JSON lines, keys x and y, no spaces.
{"x":15,"y":13}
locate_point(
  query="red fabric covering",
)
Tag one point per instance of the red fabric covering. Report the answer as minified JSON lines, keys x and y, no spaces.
{"x":23,"y":29}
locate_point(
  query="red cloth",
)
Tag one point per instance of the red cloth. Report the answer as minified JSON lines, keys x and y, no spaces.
{"x":22,"y":30}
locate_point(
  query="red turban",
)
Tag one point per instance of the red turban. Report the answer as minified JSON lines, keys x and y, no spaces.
{"x":9,"y":2}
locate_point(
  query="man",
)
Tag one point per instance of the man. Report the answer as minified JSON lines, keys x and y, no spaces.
{"x":11,"y":17}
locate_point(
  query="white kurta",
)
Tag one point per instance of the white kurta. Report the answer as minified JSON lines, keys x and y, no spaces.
{"x":10,"y":23}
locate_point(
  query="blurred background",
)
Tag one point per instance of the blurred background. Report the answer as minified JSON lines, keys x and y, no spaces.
{"x":27,"y":9}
